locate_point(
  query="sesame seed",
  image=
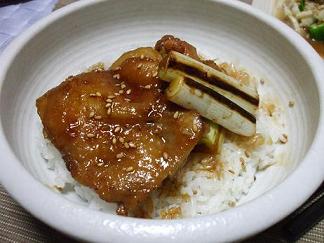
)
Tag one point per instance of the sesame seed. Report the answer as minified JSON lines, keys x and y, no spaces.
{"x":121,"y":139}
{"x":120,"y":155}
{"x":243,"y":164}
{"x":165,"y":155}
{"x":92,"y":95}
{"x":231,"y":171}
{"x":195,"y":128}
{"x":231,"y":204}
{"x":98,"y":94}
{"x":128,"y":100}
{"x":132,"y":145}
{"x":128,"y":91}
{"x":111,"y":96}
{"x":121,"y":91}
{"x":97,"y":117}
{"x":117,"y":68}
{"x":147,"y":86}
{"x":109,"y":111}
{"x":114,"y":140}
{"x":116,"y":76}
{"x":176,"y":115}
{"x":247,"y":153}
{"x":108,"y":100}
{"x":90,"y":135}
{"x":284,"y":139}
{"x":142,"y":56}
{"x":91,"y":114}
{"x":129,"y":169}
{"x":108,"y":105}
{"x":100,"y":164}
{"x":117,"y":129}
{"x":126,"y":145}
{"x":116,"y":94}
{"x":155,"y":74}
{"x":140,"y":65}
{"x":118,"y":84}
{"x":205,"y":161}
{"x":123,"y":86}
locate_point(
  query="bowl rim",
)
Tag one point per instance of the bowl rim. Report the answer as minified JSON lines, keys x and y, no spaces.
{"x":69,"y":217}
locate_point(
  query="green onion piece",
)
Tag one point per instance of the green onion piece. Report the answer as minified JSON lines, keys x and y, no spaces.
{"x":213,"y":139}
{"x":316,"y":32}
{"x":210,"y":138}
{"x":302,"y":5}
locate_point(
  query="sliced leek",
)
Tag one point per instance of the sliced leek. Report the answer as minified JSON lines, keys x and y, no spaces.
{"x":193,"y":98}
{"x":190,"y":66}
{"x":215,"y":95}
{"x":171,"y":74}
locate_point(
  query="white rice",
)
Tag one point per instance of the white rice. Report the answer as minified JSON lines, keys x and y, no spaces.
{"x":205,"y":192}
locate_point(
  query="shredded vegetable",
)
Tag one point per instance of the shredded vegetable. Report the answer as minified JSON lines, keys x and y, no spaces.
{"x":302,"y":5}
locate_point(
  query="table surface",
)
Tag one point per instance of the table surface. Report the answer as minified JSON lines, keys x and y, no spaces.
{"x":17,"y":225}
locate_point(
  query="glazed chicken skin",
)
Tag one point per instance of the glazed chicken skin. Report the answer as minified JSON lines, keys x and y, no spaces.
{"x":117,"y":132}
{"x":170,"y":43}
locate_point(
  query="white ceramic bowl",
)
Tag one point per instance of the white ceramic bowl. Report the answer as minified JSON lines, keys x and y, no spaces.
{"x":90,"y":31}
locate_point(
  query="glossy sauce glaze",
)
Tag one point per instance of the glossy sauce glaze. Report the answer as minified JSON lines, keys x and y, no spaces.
{"x":117,"y":132}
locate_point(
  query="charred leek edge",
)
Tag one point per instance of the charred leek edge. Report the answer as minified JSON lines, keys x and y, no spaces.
{"x":171,"y":74}
{"x":192,"y":67}
{"x":214,"y":138}
{"x":213,"y":106}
